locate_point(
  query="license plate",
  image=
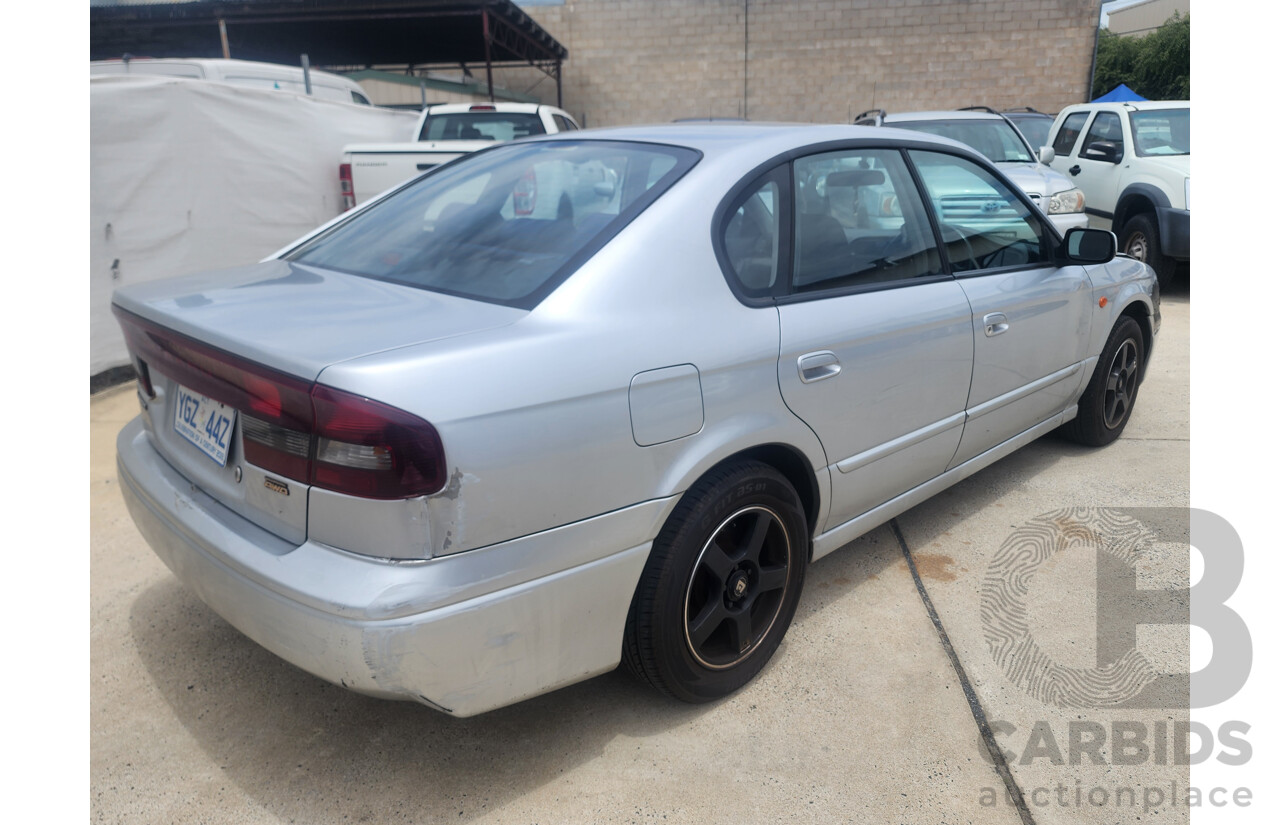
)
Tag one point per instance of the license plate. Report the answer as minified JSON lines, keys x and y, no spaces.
{"x":206,"y":423}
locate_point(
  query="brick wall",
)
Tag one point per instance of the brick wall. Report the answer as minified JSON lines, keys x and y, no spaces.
{"x":643,"y":61}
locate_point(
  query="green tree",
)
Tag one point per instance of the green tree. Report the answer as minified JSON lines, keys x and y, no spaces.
{"x":1156,"y":66}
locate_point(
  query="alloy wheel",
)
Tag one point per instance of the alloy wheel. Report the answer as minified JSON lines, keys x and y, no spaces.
{"x":738,"y":587}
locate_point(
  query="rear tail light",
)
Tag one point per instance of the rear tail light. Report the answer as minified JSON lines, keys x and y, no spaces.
{"x":348,"y":188}
{"x":303,"y":431}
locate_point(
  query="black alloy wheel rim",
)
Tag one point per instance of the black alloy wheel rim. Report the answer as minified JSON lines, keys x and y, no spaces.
{"x":738,"y":587}
{"x":1122,"y":382}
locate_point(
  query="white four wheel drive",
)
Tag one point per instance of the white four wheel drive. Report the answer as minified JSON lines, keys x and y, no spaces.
{"x":1133,"y":163}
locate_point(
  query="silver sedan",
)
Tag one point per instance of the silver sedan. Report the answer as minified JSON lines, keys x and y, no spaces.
{"x":602,"y":397}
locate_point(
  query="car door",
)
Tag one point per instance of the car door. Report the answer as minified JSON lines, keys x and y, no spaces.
{"x":876,"y":339}
{"x":1097,"y":177}
{"x":1030,"y":316}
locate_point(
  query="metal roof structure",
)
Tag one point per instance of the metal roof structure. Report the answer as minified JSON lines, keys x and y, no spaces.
{"x":359,"y":33}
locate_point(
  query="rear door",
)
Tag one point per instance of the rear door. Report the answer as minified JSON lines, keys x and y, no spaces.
{"x":876,"y":339}
{"x":1030,"y":317}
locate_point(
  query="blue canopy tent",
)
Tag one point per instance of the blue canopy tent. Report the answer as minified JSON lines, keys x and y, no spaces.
{"x":1119,"y":94}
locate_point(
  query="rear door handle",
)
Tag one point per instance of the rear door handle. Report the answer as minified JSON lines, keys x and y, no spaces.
{"x":995,"y":323}
{"x":1074,"y":170}
{"x":815,"y":366}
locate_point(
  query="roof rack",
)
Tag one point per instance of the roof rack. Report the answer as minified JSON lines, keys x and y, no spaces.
{"x":1026,"y":109}
{"x":978,"y":109}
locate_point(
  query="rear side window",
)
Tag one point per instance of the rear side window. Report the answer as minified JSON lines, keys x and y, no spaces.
{"x":506,"y":225}
{"x":1068,"y":132}
{"x":481,"y":126}
{"x":752,"y":236}
{"x":564,"y":124}
{"x":984,"y":225}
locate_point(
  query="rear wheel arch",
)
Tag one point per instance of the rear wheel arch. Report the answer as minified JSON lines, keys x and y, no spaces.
{"x":794,"y":467}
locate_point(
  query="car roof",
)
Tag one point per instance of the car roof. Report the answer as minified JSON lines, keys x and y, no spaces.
{"x":1130,"y":105}
{"x":755,"y":142}
{"x":941,"y":115}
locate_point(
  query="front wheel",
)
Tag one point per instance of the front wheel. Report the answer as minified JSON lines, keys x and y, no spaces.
{"x":1141,"y":239}
{"x":721,"y":585}
{"x":1108,"y":401}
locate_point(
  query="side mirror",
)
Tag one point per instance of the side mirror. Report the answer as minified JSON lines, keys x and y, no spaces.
{"x":1103,"y":150}
{"x":1047,"y":155}
{"x":1089,"y":246}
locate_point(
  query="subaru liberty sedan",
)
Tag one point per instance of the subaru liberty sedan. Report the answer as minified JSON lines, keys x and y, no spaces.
{"x":604,"y":396}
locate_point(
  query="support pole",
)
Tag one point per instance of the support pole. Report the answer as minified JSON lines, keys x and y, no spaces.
{"x":222,"y":31}
{"x":306,"y":73}
{"x":488,"y":56}
{"x":559,"y":91}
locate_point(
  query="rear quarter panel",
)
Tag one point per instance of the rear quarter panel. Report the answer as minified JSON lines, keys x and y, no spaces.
{"x":535,"y":418}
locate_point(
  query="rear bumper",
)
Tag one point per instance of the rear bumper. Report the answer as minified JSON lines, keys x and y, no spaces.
{"x":464,"y":633}
{"x":1175,"y":232}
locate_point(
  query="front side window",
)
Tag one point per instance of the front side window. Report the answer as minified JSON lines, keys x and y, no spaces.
{"x":1068,"y":132}
{"x":984,"y":225}
{"x":481,"y":126}
{"x":1105,"y":129}
{"x":858,"y":222}
{"x":506,"y":225}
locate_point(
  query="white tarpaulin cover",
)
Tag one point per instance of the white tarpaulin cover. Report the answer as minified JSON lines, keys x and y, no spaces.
{"x":190,"y":175}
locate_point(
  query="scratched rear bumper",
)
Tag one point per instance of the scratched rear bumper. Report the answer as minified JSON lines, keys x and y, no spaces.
{"x":464,"y":634}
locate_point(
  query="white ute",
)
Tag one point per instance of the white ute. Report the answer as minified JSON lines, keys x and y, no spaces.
{"x":444,"y":132}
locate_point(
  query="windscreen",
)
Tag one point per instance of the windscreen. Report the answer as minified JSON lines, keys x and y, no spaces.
{"x":506,"y":225}
{"x":996,"y":139}
{"x":481,"y":126}
{"x":1161,"y":131}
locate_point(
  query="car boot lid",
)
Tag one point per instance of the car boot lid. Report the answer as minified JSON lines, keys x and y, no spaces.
{"x":300,"y":319}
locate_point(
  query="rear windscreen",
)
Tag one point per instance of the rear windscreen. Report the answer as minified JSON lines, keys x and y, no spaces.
{"x":506,"y":225}
{"x":481,"y":126}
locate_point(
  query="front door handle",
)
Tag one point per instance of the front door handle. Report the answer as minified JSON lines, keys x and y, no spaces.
{"x":995,"y":323}
{"x":1074,"y":170}
{"x":815,"y":366}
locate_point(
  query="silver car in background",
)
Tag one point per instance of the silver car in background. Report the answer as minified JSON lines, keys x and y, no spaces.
{"x":604,"y":396}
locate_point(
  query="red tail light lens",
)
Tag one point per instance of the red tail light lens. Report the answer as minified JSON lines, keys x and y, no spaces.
{"x":297,"y":429}
{"x":365,"y":448}
{"x":347,"y":186}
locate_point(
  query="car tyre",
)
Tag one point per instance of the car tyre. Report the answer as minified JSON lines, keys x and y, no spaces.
{"x":721,"y":584}
{"x":1141,"y":239}
{"x":1108,"y":401}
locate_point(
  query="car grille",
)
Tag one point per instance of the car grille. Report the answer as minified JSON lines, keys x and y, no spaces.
{"x":978,"y":209}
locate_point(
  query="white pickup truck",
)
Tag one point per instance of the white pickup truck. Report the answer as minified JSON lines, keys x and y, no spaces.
{"x":444,"y":132}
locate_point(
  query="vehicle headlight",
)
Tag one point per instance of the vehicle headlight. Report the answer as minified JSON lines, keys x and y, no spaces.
{"x":1070,"y":200}
{"x":1186,"y":188}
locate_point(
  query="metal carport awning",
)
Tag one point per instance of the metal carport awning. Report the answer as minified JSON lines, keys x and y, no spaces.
{"x":362,"y":33}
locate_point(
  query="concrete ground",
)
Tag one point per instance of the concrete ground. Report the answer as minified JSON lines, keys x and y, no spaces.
{"x":862,"y":715}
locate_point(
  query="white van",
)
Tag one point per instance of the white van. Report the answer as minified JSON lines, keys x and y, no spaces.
{"x":324,"y":85}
